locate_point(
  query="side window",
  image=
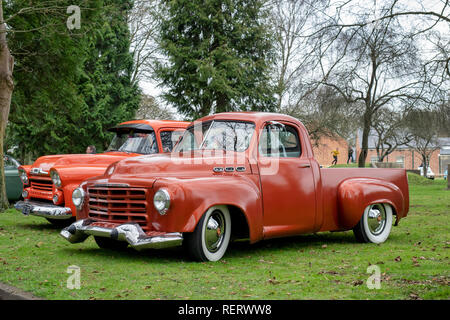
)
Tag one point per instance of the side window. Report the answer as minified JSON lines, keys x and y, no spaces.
{"x":169,"y":139}
{"x":279,"y":141}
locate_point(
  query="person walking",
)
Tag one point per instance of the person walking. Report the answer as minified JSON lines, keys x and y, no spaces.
{"x":350,"y":155}
{"x":335,"y":156}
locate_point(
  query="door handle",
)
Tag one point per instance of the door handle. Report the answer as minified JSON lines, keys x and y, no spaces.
{"x":305,"y":165}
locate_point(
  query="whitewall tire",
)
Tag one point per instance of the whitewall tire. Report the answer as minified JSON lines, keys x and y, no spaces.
{"x":375,"y":224}
{"x":211,"y":237}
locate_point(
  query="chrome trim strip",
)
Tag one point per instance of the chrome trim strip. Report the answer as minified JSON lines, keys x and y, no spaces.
{"x":129,"y":232}
{"x":43,"y":209}
{"x":111,"y":185}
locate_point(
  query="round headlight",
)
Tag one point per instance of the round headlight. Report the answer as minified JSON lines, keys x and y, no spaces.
{"x":55,"y":178}
{"x":161,"y":201}
{"x":78,"y":197}
{"x":23,"y":176}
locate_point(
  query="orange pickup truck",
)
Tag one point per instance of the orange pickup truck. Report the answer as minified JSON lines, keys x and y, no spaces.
{"x":50,"y":180}
{"x":235,"y":175}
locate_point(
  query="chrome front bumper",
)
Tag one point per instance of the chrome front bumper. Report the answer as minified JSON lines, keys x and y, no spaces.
{"x":43,"y":209}
{"x":129,"y":232}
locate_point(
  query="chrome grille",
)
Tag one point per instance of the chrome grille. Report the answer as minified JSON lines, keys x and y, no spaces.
{"x":118,"y":205}
{"x":41,"y":183}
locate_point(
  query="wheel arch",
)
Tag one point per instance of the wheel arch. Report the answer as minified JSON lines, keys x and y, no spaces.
{"x":243,"y":225}
{"x":354,"y":195}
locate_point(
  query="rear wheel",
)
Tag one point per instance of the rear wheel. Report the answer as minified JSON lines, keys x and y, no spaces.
{"x":375,"y":224}
{"x":211,"y":237}
{"x":61,"y":223}
{"x":108,"y":243}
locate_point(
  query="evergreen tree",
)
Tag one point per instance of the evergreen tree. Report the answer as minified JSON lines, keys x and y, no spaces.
{"x":110,"y":97}
{"x":219,"y":56}
{"x":70,"y":86}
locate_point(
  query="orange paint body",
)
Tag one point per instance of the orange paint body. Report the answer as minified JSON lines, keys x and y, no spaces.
{"x":298,"y":197}
{"x":74,"y":168}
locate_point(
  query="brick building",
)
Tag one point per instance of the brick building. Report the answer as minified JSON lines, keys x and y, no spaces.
{"x":408,"y":157}
{"x":323,"y":148}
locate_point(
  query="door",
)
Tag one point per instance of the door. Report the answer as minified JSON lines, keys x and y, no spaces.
{"x":287,"y":181}
{"x":14,"y":185}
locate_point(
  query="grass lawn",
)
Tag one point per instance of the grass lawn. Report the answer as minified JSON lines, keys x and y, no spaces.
{"x":414,"y":262}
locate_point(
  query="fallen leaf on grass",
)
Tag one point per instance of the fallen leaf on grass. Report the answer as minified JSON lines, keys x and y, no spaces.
{"x":39,"y":244}
{"x":398,"y":259}
{"x":357,"y":283}
{"x":415,"y":296}
{"x":329,"y":272}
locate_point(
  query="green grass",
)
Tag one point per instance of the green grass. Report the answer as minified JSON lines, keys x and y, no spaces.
{"x":348,"y":165}
{"x":414,"y":263}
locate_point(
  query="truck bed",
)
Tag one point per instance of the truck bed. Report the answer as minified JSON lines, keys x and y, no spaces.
{"x":333,"y":177}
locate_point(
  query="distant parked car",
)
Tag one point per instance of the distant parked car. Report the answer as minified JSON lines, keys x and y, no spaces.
{"x":430,"y":173}
{"x":14,"y":185}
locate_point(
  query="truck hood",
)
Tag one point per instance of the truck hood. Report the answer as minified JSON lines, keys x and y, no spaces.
{"x":192,"y":164}
{"x":45,"y":163}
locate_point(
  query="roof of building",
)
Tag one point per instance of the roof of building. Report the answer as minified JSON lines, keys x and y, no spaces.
{"x":443,"y":142}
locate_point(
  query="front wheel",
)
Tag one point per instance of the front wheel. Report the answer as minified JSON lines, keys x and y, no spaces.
{"x":375,"y":224}
{"x":211,"y":236}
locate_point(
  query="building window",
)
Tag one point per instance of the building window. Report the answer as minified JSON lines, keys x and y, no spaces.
{"x":373,"y":159}
{"x":400,"y":159}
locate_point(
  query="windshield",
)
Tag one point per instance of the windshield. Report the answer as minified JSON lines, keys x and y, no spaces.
{"x":217,"y":135}
{"x":137,"y":142}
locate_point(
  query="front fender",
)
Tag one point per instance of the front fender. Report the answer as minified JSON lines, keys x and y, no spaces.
{"x":193,"y":197}
{"x":354,"y":195}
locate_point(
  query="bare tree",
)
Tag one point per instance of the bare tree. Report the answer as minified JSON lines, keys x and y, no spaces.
{"x":427,"y":19}
{"x":424,"y":127}
{"x":376,"y":64}
{"x":291,"y":20}
{"x":143,"y":21}
{"x":326,"y":114}
{"x":390,"y":132}
{"x":149,"y":109}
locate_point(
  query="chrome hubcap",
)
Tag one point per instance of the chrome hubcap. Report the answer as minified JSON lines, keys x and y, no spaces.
{"x":376,"y":219}
{"x":215,"y":231}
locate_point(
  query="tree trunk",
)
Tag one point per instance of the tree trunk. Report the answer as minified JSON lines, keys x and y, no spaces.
{"x":425,"y":165}
{"x":364,"y":142}
{"x":6,"y":89}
